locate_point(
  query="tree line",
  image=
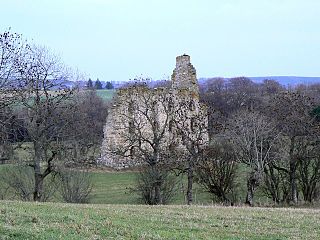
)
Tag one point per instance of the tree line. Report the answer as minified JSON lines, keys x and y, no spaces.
{"x":266,"y":132}
{"x":98,"y":85}
{"x":273,"y":131}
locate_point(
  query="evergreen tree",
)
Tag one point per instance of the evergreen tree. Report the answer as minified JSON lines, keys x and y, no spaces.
{"x":109,"y":85}
{"x":89,"y":83}
{"x":98,"y":84}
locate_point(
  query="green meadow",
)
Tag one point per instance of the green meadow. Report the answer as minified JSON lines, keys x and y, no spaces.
{"x":106,"y":94}
{"x":29,"y":220}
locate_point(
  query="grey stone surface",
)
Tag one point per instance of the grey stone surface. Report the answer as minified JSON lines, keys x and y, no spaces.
{"x":129,"y":102}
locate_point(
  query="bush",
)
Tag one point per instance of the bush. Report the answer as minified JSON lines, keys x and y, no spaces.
{"x":216,"y":172}
{"x":19,"y":180}
{"x":75,"y":186}
{"x":155,"y":186}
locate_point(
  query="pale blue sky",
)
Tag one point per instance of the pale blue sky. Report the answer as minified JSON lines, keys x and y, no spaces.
{"x":119,"y":39}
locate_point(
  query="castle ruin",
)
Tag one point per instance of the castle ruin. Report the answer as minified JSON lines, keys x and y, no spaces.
{"x":148,"y":112}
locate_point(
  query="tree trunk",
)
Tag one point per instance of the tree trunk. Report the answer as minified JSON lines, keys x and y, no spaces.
{"x":292,"y":174}
{"x":38,"y":179}
{"x":252,"y":184}
{"x":272,"y":183}
{"x":157,"y":190}
{"x":293,"y":184}
{"x":190,"y":183}
{"x":308,"y":194}
{"x":157,"y":185}
{"x":250,"y":193}
{"x":224,"y":198}
{"x":308,"y":191}
{"x":38,"y":187}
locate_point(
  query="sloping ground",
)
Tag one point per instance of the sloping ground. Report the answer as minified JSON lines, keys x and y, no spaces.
{"x":283,"y":80}
{"x":21,"y":220}
{"x":106,"y":95}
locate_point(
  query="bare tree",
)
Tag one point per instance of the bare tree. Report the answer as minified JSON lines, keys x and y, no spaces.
{"x":308,"y":169}
{"x":276,"y":182}
{"x":215,"y":95}
{"x":270,"y":87}
{"x":46,"y":101}
{"x":191,"y":123}
{"x":12,"y":47}
{"x":44,"y":115}
{"x":216,"y":171}
{"x":292,"y":114}
{"x":85,"y":131}
{"x":225,"y":97}
{"x":253,"y":137}
{"x":243,"y":94}
{"x":276,"y":175}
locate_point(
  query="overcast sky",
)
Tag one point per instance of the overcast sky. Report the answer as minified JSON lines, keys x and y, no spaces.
{"x":121,"y":39}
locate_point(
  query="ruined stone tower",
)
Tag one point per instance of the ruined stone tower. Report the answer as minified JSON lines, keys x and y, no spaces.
{"x":184,"y":75}
{"x":168,"y":103}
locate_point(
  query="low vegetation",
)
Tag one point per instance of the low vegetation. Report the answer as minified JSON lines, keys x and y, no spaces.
{"x":20,"y":220}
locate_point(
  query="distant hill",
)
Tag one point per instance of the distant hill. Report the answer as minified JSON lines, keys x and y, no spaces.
{"x":284,"y":80}
{"x":289,"y":80}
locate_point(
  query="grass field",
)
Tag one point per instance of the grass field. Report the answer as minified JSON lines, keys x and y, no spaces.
{"x":20,"y":220}
{"x":113,"y":188}
{"x":106,"y":94}
{"x":119,"y":217}
{"x":116,"y":188}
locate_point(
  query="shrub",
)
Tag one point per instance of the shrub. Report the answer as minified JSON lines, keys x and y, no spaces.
{"x":75,"y":186}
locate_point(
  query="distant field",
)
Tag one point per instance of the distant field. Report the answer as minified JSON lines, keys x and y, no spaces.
{"x":113,"y":188}
{"x":106,"y":94}
{"x":22,"y":220}
{"x":116,"y":188}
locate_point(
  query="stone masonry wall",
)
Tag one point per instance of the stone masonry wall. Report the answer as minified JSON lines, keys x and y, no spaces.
{"x":130,"y":101}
